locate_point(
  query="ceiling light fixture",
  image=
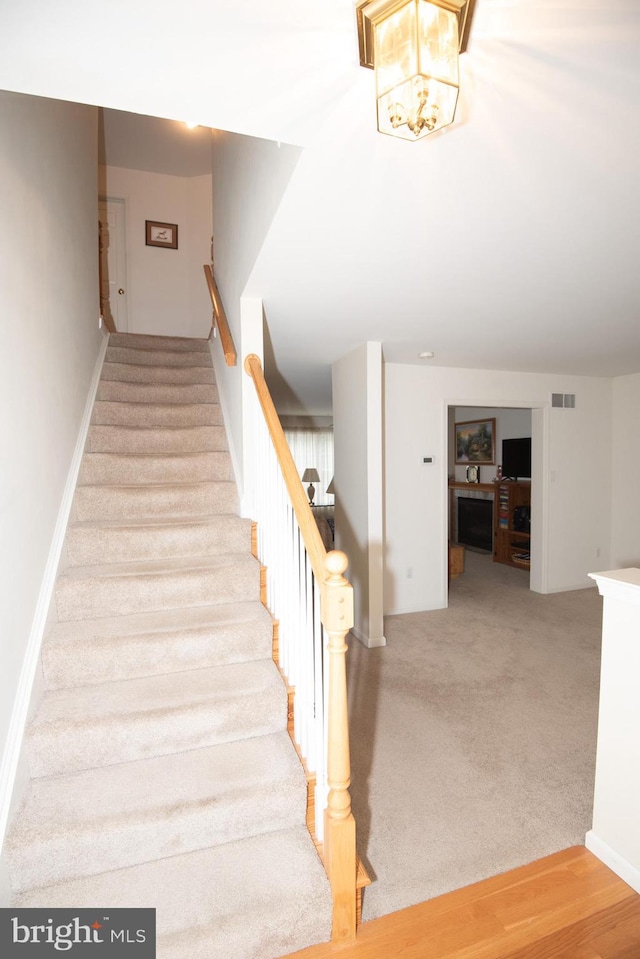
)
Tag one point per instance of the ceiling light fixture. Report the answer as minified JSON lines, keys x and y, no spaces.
{"x":413,"y":46}
{"x":426,"y":355}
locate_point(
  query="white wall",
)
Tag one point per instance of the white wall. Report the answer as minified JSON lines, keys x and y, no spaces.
{"x":572,"y":468}
{"x":249,"y":178}
{"x":357,"y":407}
{"x":166,"y":289}
{"x":199,"y":220}
{"x":50,"y":341}
{"x":615,"y":836}
{"x":625,"y":525}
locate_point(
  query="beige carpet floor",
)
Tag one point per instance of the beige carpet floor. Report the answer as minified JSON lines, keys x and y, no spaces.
{"x":473,"y":735}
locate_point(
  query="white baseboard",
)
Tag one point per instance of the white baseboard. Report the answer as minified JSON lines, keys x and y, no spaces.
{"x":368,"y":641}
{"x":5,"y":886}
{"x":617,"y":863}
{"x":569,"y":589}
{"x":421,"y":608}
{"x":20,"y":713}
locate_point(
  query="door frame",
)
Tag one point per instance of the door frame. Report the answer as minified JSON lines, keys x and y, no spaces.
{"x":118,"y":204}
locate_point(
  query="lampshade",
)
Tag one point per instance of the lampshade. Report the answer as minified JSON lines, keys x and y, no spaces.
{"x":413,"y":46}
{"x":330,"y":488}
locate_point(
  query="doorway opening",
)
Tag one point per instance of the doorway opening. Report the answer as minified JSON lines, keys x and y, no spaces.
{"x":490,"y":512}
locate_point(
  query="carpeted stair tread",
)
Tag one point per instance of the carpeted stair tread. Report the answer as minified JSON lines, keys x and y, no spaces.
{"x":110,"y":541}
{"x":82,"y":652}
{"x":157,"y":567}
{"x":155,"y":439}
{"x":109,"y":818}
{"x":176,"y":393}
{"x":91,"y":592}
{"x":148,"y":341}
{"x":157,"y":357}
{"x":261,"y":897}
{"x":109,"y":413}
{"x":155,"y":500}
{"x":142,"y":469}
{"x":120,"y":722}
{"x":141,"y":373}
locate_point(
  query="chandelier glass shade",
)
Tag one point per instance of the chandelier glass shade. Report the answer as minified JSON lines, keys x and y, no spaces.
{"x":413,"y":46}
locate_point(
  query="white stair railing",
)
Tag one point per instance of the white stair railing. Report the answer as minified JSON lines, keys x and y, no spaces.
{"x":313,"y":603}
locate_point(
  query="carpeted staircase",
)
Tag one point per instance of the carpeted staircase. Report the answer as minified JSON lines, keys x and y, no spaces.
{"x":162,"y":772}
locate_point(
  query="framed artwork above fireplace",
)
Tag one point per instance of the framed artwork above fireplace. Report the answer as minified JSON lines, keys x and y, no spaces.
{"x":475,"y":442}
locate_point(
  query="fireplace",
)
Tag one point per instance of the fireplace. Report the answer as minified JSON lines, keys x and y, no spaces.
{"x":475,"y":522}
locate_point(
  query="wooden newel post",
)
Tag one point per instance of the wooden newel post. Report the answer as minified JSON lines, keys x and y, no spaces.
{"x":339,"y":824}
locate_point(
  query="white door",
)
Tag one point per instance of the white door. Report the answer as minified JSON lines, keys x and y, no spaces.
{"x":113,"y":258}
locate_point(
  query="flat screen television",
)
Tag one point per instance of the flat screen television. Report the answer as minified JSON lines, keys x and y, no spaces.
{"x":516,"y":458}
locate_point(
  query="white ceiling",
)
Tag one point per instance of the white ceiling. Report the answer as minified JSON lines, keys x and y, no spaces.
{"x":510,"y":240}
{"x":153,"y":144}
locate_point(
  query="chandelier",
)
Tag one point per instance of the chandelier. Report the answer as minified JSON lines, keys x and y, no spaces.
{"x":413,"y":46}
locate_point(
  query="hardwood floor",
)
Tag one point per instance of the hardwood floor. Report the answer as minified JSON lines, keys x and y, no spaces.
{"x":566,"y":906}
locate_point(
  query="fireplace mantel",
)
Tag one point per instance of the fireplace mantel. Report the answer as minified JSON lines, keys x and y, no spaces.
{"x":482,"y":487}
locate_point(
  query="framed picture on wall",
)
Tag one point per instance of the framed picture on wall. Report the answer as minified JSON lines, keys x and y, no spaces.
{"x":161,"y":234}
{"x":476,"y":442}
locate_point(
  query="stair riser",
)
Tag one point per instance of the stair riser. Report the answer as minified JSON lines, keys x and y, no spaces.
{"x":149,"y":415}
{"x":96,"y":546}
{"x":154,"y":502}
{"x":126,"y":373}
{"x":65,"y":747}
{"x":145,"y":341}
{"x":124,"y":439}
{"x":180,"y":830}
{"x":119,"y":595}
{"x":131,"y":657}
{"x":156,"y":357}
{"x":118,"y":392}
{"x":129,"y":469}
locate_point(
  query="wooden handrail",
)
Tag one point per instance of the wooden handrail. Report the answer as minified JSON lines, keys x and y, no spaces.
{"x":339,"y":847}
{"x":306,"y":522}
{"x":105,"y":306}
{"x":220,"y":317}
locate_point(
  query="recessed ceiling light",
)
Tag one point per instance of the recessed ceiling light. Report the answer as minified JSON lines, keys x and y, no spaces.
{"x":191,"y":124}
{"x":427,"y":355}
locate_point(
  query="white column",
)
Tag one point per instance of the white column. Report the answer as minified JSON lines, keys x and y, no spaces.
{"x":615,"y":836}
{"x":357,"y":434}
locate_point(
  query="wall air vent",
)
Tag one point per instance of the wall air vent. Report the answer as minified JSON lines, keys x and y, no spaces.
{"x":564,"y":400}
